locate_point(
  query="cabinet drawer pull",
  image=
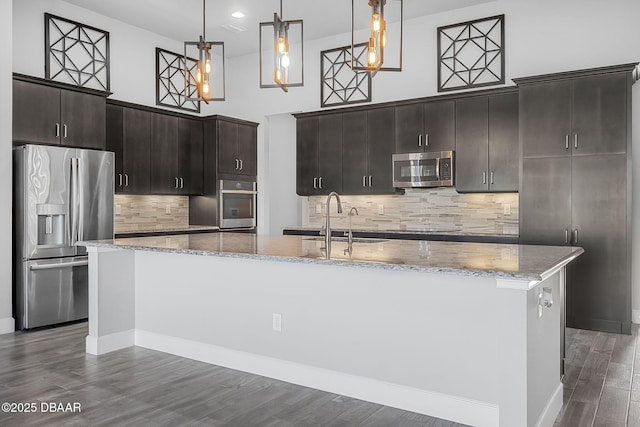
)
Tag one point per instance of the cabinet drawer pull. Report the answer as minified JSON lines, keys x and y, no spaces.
{"x":64,"y":131}
{"x":320,"y":183}
{"x":57,"y":130}
{"x":566,"y":141}
{"x":484,"y":177}
{"x":369,"y":180}
{"x":575,"y":141}
{"x":181,"y":182}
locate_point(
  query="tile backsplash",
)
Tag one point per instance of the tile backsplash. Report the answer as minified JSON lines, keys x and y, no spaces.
{"x":135,"y":213}
{"x":440,"y":209}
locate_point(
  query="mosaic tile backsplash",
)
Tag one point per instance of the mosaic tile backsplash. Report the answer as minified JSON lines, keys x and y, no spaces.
{"x":440,"y":209}
{"x":142,"y":213}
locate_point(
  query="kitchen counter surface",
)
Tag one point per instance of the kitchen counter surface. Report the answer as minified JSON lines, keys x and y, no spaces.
{"x":191,"y":229}
{"x":436,"y":233}
{"x":521,"y":262}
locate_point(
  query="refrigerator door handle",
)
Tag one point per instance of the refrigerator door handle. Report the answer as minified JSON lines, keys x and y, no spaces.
{"x":80,"y":189}
{"x":73,"y":200}
{"x":81,"y":263}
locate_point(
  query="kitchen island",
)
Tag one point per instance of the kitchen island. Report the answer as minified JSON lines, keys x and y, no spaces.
{"x":462,"y":331}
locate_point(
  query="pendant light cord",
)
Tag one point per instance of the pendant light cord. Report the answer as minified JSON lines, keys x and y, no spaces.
{"x":281,"y":9}
{"x":204,"y":27}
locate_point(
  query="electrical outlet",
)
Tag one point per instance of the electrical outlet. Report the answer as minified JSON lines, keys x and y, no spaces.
{"x":506,"y":209}
{"x":380,"y":209}
{"x":168,"y":209}
{"x":118,"y":209}
{"x":277,"y":322}
{"x":318,"y":208}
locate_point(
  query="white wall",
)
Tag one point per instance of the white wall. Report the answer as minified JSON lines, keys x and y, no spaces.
{"x":132,"y":50}
{"x":6,"y":315}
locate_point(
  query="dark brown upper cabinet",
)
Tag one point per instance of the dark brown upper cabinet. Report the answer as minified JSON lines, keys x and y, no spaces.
{"x":129,"y":135}
{"x":367,"y":148}
{"x":428,"y":126}
{"x":237,"y":149}
{"x":487,"y":143}
{"x":572,"y":117}
{"x":319,"y":154}
{"x":51,"y":115}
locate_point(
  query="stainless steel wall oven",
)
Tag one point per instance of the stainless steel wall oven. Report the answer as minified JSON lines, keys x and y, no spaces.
{"x":237,"y":204}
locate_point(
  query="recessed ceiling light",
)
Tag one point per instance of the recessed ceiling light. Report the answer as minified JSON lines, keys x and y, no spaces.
{"x":237,"y":15}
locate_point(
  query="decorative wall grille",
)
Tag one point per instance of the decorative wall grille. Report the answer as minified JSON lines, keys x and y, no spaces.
{"x":172,"y":89}
{"x":471,"y":54}
{"x":339,"y":83}
{"x":76,"y":53}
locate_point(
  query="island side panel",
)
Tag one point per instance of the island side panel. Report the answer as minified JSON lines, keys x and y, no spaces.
{"x":434,"y":334}
{"x":111,"y":300}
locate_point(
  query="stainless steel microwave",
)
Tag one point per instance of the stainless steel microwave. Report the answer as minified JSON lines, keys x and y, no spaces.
{"x":432,"y":169}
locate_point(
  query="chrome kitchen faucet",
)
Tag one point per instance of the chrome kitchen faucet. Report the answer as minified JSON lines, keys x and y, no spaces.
{"x":327,"y":237}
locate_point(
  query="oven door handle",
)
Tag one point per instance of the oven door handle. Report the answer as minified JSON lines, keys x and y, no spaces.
{"x":238,"y":192}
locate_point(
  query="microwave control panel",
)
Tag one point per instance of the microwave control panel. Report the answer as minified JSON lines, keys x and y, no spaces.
{"x":445,"y":169}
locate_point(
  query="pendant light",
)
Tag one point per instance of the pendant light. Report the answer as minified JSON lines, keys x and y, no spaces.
{"x":378,"y":35}
{"x":281,"y":57}
{"x":208,"y":74}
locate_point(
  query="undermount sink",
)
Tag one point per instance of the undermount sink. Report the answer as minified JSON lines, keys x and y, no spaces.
{"x":344,"y":239}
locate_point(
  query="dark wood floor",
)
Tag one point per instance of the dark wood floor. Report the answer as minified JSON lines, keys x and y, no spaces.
{"x":136,"y":387}
{"x":602,"y":380}
{"x":142,"y":387}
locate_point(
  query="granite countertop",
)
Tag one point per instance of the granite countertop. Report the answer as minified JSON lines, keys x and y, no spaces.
{"x":523,"y":262}
{"x":166,"y":231}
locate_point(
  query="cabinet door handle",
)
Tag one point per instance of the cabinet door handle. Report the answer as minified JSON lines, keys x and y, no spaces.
{"x":315,"y":183}
{"x":120,"y":180}
{"x":566,"y":236}
{"x":320,"y":183}
{"x":566,"y":141}
{"x":181,"y":182}
{"x":240,"y":164}
{"x":364,"y":181}
{"x":64,"y":131}
{"x":126,"y":180}
{"x":369,"y":180}
{"x":420,"y":140}
{"x":491,"y":177}
{"x":575,"y":141}
{"x":237,"y":164}
{"x":57,"y":130}
{"x":576,"y":239}
{"x":176,"y":184}
{"x":484,"y":177}
{"x":426,"y":139}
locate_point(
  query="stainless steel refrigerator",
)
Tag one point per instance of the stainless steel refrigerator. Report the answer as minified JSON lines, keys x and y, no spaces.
{"x":61,"y":195}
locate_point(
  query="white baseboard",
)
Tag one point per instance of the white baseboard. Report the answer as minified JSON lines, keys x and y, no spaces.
{"x":111,"y":342}
{"x":7,"y":325}
{"x":453,"y":408}
{"x":551,"y":409}
{"x":635,"y":316}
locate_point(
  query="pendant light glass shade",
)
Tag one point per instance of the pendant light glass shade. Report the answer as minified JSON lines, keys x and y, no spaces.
{"x":281,"y":53}
{"x":208,"y":76}
{"x":378,"y":23}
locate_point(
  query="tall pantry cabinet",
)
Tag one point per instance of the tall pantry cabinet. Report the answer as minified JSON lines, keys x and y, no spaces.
{"x":575,"y":186}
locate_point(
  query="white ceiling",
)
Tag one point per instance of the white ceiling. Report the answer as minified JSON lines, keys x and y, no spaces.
{"x":182,"y":19}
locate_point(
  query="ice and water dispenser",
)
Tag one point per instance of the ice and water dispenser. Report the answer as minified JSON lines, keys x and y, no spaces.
{"x":52,"y":224}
